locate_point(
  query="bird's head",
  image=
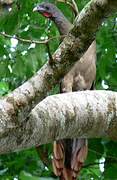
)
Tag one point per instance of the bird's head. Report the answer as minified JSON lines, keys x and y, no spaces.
{"x":48,"y":10}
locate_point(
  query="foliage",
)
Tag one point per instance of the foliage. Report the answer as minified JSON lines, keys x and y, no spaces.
{"x":20,"y":60}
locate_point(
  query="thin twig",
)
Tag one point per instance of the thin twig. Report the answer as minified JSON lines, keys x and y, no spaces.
{"x":94,"y":164}
{"x":75,"y":7}
{"x":107,"y":156}
{"x":32,"y":41}
{"x":72,"y":5}
{"x":43,"y":156}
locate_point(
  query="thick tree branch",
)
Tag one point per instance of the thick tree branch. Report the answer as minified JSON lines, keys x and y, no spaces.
{"x":20,"y":101}
{"x":79,"y":114}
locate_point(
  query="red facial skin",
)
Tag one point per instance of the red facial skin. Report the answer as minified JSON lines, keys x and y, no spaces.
{"x":48,"y":15}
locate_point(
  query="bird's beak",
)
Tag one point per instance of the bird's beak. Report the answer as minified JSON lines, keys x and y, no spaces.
{"x":39,"y":9}
{"x":35,"y":9}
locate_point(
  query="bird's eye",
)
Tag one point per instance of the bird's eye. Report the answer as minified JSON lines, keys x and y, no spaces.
{"x":47,"y":8}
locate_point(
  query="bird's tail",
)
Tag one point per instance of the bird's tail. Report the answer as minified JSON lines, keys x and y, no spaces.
{"x":68,"y":157}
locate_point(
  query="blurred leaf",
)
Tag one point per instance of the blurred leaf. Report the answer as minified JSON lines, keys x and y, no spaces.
{"x":3,"y":88}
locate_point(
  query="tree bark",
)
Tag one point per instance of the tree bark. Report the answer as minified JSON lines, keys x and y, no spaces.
{"x":16,"y":106}
{"x":90,"y":114}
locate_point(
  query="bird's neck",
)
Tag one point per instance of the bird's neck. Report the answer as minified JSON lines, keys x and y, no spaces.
{"x":62,"y":23}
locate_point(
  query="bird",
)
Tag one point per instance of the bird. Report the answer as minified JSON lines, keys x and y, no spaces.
{"x":70,"y":154}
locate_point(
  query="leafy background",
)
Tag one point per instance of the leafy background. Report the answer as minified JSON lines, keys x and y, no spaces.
{"x":20,"y":60}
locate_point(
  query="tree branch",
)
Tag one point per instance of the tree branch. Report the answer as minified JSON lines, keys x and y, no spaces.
{"x":32,"y":41}
{"x":90,"y":114}
{"x":21,"y":100}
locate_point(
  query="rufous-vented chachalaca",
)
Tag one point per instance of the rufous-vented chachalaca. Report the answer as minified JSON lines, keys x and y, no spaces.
{"x":69,"y":154}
